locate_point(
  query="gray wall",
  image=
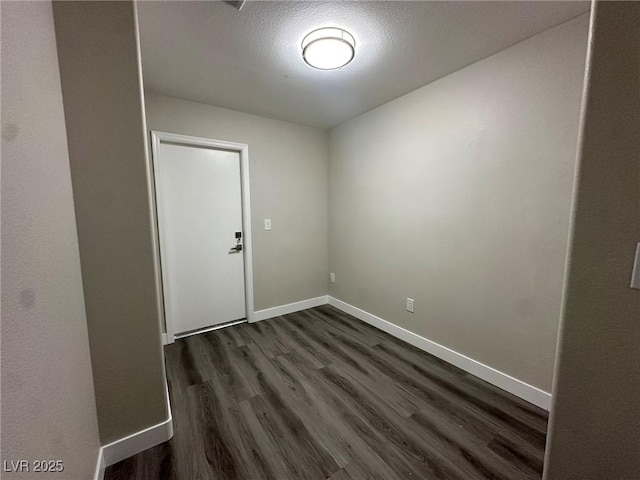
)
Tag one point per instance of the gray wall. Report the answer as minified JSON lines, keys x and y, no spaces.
{"x":101,"y":87}
{"x":458,"y":195}
{"x":48,"y":403}
{"x":595,"y":423}
{"x":288,"y":177}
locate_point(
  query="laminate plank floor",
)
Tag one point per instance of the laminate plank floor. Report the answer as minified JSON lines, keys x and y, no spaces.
{"x":318,"y":394}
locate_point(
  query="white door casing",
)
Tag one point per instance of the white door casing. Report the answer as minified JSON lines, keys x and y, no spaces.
{"x":202,"y":199}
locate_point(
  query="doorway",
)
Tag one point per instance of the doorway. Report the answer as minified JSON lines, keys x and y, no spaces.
{"x":204,"y":232}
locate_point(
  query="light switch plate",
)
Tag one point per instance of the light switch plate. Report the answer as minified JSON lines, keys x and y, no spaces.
{"x":635,"y":274}
{"x":410,"y":302}
{"x":267,"y":224}
{"x":332,"y":277}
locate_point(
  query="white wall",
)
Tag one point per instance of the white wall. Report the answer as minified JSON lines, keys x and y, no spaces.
{"x":288,"y":176}
{"x":594,"y":431}
{"x":48,"y":403}
{"x":458,"y":195}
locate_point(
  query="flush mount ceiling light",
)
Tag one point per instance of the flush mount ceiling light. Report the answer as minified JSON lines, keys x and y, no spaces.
{"x":328,"y":48}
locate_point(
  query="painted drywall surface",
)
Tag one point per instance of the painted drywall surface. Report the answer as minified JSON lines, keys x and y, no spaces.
{"x":101,"y":87}
{"x":457,"y":195}
{"x":595,"y":425}
{"x":48,"y":403}
{"x":288,"y":176}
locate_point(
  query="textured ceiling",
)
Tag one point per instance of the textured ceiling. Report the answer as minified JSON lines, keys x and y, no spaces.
{"x":250,"y":60}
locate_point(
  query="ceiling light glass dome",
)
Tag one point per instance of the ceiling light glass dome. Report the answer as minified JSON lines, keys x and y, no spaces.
{"x":328,"y":48}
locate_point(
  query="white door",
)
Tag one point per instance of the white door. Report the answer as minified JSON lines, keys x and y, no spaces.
{"x":199,"y":202}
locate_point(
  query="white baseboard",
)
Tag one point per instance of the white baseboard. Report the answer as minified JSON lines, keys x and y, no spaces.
{"x":135,"y":443}
{"x":277,"y":311}
{"x":152,"y":436}
{"x":289,"y":308}
{"x":100,"y":466}
{"x":501,"y":380}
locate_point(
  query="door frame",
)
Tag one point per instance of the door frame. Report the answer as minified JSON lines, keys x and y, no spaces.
{"x":157,"y":138}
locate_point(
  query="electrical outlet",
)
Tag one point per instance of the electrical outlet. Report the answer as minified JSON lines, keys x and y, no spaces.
{"x":332,"y":277}
{"x":410,"y":304}
{"x":267,"y":224}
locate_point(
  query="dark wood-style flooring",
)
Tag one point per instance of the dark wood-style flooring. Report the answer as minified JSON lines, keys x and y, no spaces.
{"x":320,"y":395}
